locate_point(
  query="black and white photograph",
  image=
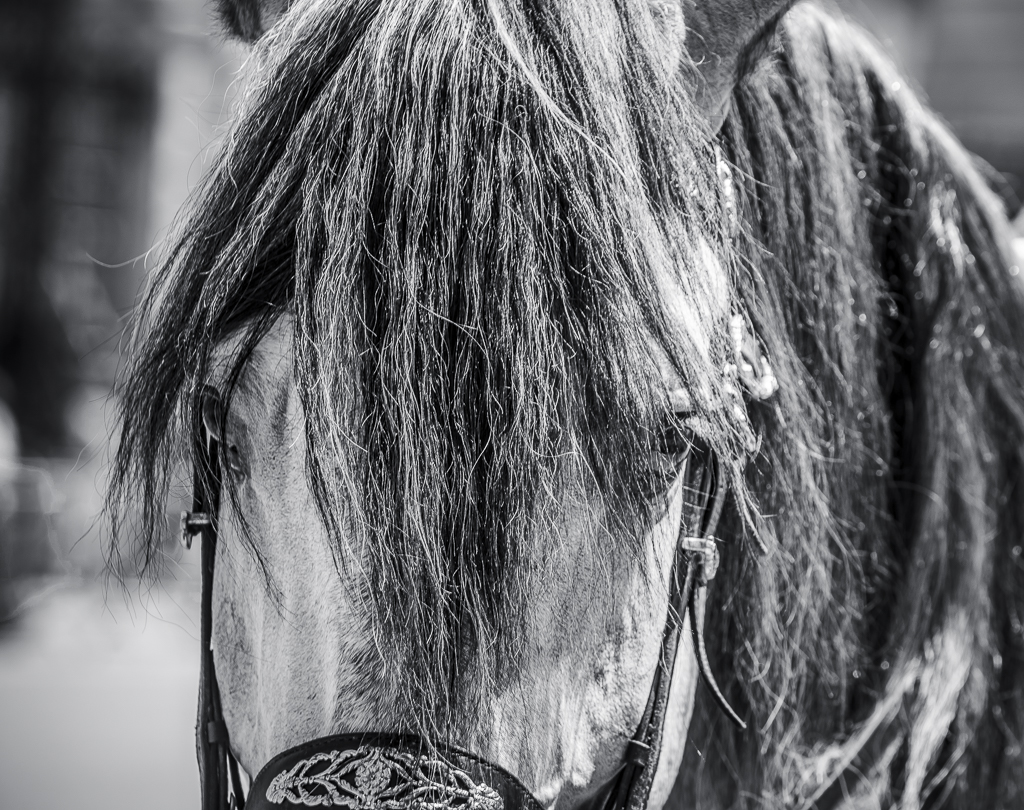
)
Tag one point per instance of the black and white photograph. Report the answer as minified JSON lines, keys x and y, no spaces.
{"x":512,"y":404}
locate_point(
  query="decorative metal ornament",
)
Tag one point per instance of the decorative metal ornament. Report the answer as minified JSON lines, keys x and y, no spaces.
{"x":751,"y":369}
{"x":376,"y":778}
{"x":728,"y":192}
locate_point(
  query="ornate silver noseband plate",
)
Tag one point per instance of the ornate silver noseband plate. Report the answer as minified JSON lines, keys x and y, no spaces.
{"x":375,"y":778}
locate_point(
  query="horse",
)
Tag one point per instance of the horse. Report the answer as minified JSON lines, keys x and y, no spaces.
{"x":485,"y":303}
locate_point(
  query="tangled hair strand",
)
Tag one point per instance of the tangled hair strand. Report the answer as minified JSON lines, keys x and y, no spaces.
{"x":874,"y":649}
{"x":469,"y":238}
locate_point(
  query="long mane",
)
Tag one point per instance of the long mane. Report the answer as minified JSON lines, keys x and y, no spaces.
{"x":879,"y":647}
{"x":465,"y":206}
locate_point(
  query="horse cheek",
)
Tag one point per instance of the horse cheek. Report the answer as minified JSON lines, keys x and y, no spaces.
{"x":237,"y":615}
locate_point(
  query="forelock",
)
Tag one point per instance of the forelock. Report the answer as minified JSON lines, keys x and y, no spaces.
{"x":466,"y":207}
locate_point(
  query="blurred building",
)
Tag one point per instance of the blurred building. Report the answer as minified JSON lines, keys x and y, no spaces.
{"x":104,"y":107}
{"x":77,"y":97}
{"x":968,"y":58}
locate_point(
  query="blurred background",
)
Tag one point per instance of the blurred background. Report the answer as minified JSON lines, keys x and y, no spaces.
{"x":109,"y":110}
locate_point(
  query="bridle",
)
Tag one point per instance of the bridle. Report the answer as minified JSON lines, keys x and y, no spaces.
{"x":403,"y":770}
{"x":398,"y":771}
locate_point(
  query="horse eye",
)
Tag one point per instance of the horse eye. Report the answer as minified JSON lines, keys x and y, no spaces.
{"x":233,"y":459}
{"x":675,"y":438}
{"x":668,"y":457}
{"x":216,"y":421}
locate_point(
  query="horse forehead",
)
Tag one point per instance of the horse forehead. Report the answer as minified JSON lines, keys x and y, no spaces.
{"x":266,"y":383}
{"x":272,"y":357}
{"x":268,"y":380}
{"x":270,"y":361}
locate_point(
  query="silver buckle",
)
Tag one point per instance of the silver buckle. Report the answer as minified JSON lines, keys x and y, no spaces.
{"x":707,"y":548}
{"x":192,"y":523}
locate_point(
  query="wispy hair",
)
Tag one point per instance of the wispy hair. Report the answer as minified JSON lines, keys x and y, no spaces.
{"x":466,"y":206}
{"x":879,"y":649}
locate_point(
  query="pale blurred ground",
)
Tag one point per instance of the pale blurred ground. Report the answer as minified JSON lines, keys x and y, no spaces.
{"x":97,"y":700}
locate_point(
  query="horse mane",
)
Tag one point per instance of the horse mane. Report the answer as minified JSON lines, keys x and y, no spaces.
{"x":878,"y":649}
{"x":465,"y":207}
{"x":493,"y":319}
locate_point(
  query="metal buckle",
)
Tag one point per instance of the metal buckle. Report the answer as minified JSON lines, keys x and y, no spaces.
{"x":192,"y":523}
{"x":707,"y":549}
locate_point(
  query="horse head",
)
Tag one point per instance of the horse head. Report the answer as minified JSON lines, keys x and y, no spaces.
{"x":457,"y":305}
{"x":299,"y":653}
{"x":446,"y":510}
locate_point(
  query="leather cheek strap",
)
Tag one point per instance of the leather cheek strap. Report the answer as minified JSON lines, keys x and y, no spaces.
{"x":695,"y":564}
{"x":218,"y":769}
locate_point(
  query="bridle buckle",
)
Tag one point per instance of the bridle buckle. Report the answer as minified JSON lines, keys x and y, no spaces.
{"x":706,"y":549}
{"x":192,"y":523}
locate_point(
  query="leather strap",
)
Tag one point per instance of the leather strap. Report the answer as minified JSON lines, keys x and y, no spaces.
{"x":696,"y":562}
{"x":383,"y":771}
{"x":219,"y":778}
